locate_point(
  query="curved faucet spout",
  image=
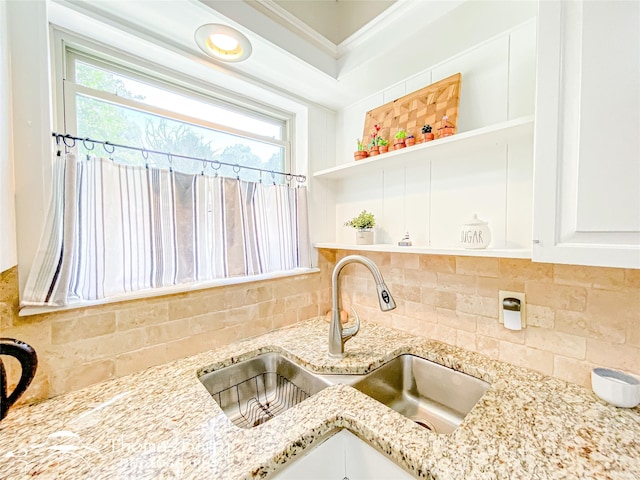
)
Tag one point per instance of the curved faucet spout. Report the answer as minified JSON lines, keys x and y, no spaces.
{"x":338,"y":336}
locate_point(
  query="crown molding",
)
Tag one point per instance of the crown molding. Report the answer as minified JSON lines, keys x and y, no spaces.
{"x":275,"y":12}
{"x":393,"y":15}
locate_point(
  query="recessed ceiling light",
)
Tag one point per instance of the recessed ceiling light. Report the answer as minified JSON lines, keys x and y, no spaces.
{"x":223,"y":42}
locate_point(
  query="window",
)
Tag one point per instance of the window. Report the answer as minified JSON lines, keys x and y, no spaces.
{"x":119,"y":230}
{"x":104,"y":101}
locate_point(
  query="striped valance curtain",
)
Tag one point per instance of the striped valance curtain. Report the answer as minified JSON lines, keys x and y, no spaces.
{"x":115,"y":229}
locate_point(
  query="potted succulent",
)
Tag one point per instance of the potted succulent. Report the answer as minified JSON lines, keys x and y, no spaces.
{"x":361,"y":152}
{"x":410,"y":140}
{"x":383,"y":145}
{"x":427,"y":135}
{"x":363,"y":224}
{"x":399,"y":139}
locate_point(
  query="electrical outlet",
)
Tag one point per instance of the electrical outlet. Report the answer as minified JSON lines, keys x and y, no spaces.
{"x":502,"y":294}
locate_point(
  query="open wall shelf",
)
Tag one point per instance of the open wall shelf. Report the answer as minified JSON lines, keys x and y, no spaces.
{"x":460,"y":252}
{"x":459,"y":144}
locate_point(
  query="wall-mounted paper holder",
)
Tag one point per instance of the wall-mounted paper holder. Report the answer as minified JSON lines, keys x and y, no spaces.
{"x":512,"y":306}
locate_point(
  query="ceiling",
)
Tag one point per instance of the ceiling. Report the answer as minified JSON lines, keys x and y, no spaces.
{"x":321,"y":51}
{"x":335,"y":20}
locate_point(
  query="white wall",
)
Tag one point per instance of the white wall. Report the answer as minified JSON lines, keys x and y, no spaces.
{"x":8,"y":253}
{"x":432,"y":198}
{"x":322,"y":146}
{"x":31,"y":99}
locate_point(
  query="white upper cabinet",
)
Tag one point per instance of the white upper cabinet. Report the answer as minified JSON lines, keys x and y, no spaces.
{"x":587,"y":134}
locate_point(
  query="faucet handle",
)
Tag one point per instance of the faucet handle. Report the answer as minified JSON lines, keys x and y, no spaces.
{"x":384,"y":297}
{"x":347,"y":333}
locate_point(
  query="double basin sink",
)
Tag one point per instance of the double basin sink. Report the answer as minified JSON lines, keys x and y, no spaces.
{"x":436,"y":397}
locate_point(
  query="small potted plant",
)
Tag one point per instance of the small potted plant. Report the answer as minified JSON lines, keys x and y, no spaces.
{"x":427,"y":135}
{"x":383,"y":145}
{"x":446,"y":128}
{"x":361,"y":153}
{"x":363,"y":224}
{"x":399,"y":139}
{"x":374,"y":144}
{"x":410,"y":140}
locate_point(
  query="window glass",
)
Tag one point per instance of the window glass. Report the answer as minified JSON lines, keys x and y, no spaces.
{"x":122,"y":86}
{"x":122,"y":110}
{"x":102,"y":120}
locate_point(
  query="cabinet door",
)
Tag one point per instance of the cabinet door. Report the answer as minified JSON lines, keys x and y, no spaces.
{"x":342,"y":456}
{"x":587,"y":134}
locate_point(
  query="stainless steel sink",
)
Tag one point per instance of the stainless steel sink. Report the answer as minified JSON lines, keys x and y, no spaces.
{"x":433,"y":396}
{"x":254,"y":391}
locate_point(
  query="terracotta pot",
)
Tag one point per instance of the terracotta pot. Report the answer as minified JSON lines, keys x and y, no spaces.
{"x":383,"y":148}
{"x":427,"y":137}
{"x":398,"y":144}
{"x":410,"y":141}
{"x":373,"y":151}
{"x":446,"y":131}
{"x":360,"y":155}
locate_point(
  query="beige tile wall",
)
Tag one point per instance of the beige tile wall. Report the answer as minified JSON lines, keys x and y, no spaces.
{"x":578,"y":317}
{"x":83,"y":346}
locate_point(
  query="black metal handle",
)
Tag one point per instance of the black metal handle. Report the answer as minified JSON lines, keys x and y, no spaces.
{"x":28,"y":359}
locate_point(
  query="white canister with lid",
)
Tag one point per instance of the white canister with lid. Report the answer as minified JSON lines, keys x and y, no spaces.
{"x":475,"y":233}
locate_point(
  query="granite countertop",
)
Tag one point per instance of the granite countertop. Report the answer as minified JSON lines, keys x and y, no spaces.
{"x":162,"y":423}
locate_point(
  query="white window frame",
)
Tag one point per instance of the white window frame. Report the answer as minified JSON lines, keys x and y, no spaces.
{"x":67,"y":48}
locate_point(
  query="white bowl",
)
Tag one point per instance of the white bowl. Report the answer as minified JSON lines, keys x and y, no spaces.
{"x":615,"y":387}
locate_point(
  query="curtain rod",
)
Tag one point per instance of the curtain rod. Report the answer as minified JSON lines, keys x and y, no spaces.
{"x":69,"y":141}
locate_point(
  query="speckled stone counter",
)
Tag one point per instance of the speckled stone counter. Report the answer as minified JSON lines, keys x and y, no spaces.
{"x":162,"y":423}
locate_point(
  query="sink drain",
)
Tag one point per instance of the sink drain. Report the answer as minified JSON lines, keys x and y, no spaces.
{"x":425,"y":424}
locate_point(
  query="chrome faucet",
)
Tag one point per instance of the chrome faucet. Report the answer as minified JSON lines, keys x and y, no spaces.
{"x":337,"y":335}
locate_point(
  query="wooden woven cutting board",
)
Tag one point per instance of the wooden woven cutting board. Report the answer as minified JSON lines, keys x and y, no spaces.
{"x":411,"y":112}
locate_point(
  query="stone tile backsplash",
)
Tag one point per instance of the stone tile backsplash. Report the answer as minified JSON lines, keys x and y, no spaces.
{"x":83,"y":346}
{"x":577,"y":317}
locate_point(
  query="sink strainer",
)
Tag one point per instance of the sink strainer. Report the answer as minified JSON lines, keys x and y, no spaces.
{"x":425,"y":423}
{"x":258,"y":399}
